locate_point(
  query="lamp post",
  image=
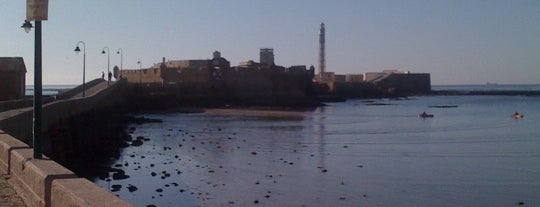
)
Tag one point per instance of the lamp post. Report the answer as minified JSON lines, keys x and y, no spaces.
{"x":108,"y":64}
{"x":119,"y":51}
{"x":38,"y":104}
{"x":140,"y":71}
{"x":77,"y":50}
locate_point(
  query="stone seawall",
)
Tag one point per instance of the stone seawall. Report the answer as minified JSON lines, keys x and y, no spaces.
{"x":44,"y":182}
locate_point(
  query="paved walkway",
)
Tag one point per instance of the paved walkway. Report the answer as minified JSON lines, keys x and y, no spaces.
{"x":94,"y":90}
{"x":8,"y":196}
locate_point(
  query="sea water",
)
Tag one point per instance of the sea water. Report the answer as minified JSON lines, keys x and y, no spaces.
{"x":354,"y":153}
{"x":48,"y":90}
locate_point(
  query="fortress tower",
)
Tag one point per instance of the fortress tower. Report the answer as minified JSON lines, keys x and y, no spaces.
{"x":321,"y":50}
{"x":266,"y":56}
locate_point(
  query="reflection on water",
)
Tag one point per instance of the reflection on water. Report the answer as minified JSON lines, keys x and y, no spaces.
{"x":344,"y":154}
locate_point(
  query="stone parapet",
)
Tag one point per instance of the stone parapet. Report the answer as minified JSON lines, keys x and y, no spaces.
{"x":80,"y":191}
{"x":45,"y":183}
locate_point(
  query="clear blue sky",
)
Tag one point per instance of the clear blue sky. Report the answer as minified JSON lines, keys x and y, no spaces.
{"x":458,"y":42}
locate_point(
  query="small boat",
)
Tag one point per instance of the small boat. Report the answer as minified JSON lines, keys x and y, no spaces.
{"x":424,"y":115}
{"x":517,"y":115}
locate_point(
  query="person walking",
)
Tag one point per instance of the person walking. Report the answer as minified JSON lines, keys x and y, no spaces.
{"x":110,"y":75}
{"x":103,"y":75}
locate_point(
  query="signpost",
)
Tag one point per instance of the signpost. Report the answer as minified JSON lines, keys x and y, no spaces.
{"x":37,"y":10}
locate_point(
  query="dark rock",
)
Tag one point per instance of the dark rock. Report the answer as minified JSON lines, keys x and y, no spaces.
{"x":132,"y":188}
{"x":137,"y":143}
{"x":256,"y":201}
{"x":120,"y":176}
{"x":159,"y":190}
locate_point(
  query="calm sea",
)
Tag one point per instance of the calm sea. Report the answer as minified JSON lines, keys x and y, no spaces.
{"x":356,"y":153}
{"x":48,"y":90}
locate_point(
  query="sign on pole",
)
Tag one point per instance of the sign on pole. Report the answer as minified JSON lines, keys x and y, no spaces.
{"x":37,"y":10}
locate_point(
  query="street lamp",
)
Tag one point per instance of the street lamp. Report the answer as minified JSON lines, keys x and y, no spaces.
{"x":108,"y":64}
{"x":38,"y":104}
{"x":77,"y":50}
{"x":140,"y":71}
{"x":27,"y":26}
{"x":119,"y":51}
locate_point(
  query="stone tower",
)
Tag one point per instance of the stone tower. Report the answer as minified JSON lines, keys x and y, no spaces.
{"x":266,"y":56}
{"x":321,"y":50}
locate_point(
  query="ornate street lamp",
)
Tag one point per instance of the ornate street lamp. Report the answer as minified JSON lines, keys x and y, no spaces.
{"x":77,"y":50}
{"x":108,"y":64}
{"x":140,"y":71}
{"x":27,"y":26}
{"x":36,"y":11}
{"x":119,"y":51}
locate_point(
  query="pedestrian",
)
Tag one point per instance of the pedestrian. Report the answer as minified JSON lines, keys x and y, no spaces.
{"x":110,"y":75}
{"x":103,"y":75}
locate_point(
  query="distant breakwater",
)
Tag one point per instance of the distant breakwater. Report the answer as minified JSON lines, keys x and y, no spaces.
{"x":484,"y":93}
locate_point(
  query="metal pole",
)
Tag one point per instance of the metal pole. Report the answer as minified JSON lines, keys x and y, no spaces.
{"x":108,"y":67}
{"x":140,"y":72}
{"x":84,"y":70}
{"x":37,"y":94}
{"x":121,"y":52}
{"x":84,"y":65}
{"x":108,"y":64}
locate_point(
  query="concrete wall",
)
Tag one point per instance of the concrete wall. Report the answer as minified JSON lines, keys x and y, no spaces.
{"x":22,"y":103}
{"x":150,"y":75}
{"x":43,"y":182}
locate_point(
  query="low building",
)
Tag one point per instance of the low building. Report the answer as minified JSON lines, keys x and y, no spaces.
{"x":12,"y":78}
{"x":354,"y":78}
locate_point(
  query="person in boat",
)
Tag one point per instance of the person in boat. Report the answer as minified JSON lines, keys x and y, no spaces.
{"x":425,"y":115}
{"x":517,"y":115}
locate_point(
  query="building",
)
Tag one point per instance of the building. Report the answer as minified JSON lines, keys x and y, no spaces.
{"x":266,"y":56}
{"x":12,"y":78}
{"x":354,"y":78}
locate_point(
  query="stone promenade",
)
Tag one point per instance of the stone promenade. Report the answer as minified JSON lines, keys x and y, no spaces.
{"x":8,"y":196}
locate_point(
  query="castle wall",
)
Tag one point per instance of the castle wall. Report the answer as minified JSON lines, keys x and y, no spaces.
{"x":403,"y":83}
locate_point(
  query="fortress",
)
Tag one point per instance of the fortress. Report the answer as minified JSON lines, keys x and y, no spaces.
{"x":214,"y":81}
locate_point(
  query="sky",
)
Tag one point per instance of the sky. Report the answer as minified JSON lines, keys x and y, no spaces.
{"x":457,"y":41}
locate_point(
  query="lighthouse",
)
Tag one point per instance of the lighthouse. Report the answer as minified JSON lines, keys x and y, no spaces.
{"x":321,"y":50}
